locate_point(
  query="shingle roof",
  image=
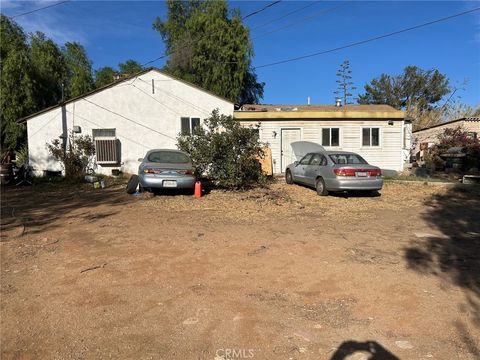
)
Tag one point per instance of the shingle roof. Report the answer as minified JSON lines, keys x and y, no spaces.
{"x":305,"y":108}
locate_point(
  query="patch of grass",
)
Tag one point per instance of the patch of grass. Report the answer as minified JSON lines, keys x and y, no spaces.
{"x":77,"y":182}
{"x":415,"y":178}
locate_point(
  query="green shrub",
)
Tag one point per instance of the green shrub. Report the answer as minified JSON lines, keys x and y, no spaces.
{"x":21,"y":156}
{"x":225,"y":152}
{"x":74,"y":157}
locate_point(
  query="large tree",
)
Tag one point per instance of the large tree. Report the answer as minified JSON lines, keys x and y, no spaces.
{"x":49,"y":70}
{"x":16,"y":83}
{"x":210,"y":47}
{"x":79,"y":70}
{"x":345,"y":83}
{"x":415,"y":88}
{"x":104,"y":76}
{"x":130,"y":67}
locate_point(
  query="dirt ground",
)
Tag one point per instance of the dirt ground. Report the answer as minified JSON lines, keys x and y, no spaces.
{"x":266,"y":274}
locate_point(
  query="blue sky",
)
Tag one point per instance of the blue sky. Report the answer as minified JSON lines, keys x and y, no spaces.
{"x":114,"y":31}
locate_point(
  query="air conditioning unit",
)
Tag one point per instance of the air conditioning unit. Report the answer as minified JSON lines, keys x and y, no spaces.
{"x":107,"y":150}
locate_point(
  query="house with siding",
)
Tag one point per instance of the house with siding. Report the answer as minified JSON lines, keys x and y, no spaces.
{"x":426,"y":137}
{"x":379,"y":133}
{"x":126,"y":119}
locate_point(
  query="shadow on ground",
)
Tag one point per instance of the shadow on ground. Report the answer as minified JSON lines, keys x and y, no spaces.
{"x":35,"y":208}
{"x":370,"y":349}
{"x":454,"y":256}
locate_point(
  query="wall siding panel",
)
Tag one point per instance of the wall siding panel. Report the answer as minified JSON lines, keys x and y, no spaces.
{"x":387,"y":156}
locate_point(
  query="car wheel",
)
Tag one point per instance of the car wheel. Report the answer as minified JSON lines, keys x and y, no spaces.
{"x":321,"y":188}
{"x":288,"y":177}
{"x":132,"y":184}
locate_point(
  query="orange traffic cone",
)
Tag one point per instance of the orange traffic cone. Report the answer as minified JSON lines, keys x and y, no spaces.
{"x":198,"y":189}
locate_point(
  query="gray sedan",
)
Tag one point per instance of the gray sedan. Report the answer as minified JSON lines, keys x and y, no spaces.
{"x":334,"y":171}
{"x":163,"y":168}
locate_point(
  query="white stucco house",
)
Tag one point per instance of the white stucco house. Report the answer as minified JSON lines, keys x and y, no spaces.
{"x":126,"y":119}
{"x":379,"y":133}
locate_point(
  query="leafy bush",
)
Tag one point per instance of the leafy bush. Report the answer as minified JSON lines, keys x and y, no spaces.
{"x":76,"y":157}
{"x":455,"y":137}
{"x":225,"y":152}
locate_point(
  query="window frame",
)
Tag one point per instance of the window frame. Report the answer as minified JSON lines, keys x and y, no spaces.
{"x":104,"y":135}
{"x":330,"y":136}
{"x":190,"y":124}
{"x":379,"y":137}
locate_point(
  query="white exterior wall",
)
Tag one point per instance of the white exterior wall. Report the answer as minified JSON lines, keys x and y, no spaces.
{"x":143,"y":120}
{"x":388,"y":156}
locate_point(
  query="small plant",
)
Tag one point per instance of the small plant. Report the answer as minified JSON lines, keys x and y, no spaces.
{"x":225,"y":152}
{"x":75,"y":155}
{"x":21,"y":156}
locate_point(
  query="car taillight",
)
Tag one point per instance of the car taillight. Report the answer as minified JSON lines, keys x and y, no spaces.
{"x":345,"y":172}
{"x":152,"y":171}
{"x":375,"y":172}
{"x":353,"y":172}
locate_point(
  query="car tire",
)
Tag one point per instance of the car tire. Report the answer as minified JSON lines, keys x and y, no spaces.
{"x":132,"y":184}
{"x":288,"y":177}
{"x":320,"y":187}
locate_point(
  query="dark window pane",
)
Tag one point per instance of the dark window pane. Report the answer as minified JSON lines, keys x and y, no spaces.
{"x":316,"y":160}
{"x":185,"y":125}
{"x":335,"y":137}
{"x":306,"y":159}
{"x":195,"y":123}
{"x":323,"y":161}
{"x":326,"y":137}
{"x":375,"y":136}
{"x":103,"y":133}
{"x":366,"y":137}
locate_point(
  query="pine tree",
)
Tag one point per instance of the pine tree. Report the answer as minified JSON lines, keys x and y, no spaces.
{"x":345,"y":83}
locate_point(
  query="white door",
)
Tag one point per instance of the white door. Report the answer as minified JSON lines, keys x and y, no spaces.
{"x":288,"y":136}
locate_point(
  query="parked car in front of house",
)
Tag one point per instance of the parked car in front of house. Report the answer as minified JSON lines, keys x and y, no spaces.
{"x":332,"y":171}
{"x":163,"y":169}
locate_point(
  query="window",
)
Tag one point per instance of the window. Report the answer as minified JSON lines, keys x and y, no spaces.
{"x":331,"y":137}
{"x":168,"y":157}
{"x":111,"y":133}
{"x":318,"y":159}
{"x":347,"y":159}
{"x":371,"y":136}
{"x":306,"y":159}
{"x":188,"y":125}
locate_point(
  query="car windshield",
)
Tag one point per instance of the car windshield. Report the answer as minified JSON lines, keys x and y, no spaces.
{"x":347,"y":159}
{"x":168,"y":157}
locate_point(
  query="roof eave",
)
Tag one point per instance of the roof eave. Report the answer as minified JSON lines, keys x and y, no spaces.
{"x":298,"y":115}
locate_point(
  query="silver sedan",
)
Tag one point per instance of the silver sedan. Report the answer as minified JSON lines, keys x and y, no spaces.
{"x":334,"y":171}
{"x":165,"y":168}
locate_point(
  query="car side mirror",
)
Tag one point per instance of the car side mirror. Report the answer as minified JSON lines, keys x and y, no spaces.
{"x":295,"y":163}
{"x":140,"y":159}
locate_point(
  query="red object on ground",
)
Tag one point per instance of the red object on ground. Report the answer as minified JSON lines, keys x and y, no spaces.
{"x":198,"y":189}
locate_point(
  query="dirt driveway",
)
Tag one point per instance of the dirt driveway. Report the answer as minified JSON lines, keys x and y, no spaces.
{"x":266,"y":274}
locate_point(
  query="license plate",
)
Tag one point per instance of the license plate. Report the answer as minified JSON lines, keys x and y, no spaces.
{"x":362,"y":174}
{"x":169,"y":183}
